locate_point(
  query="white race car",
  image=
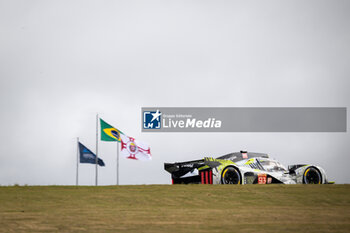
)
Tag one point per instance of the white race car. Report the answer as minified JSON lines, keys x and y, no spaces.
{"x":244,"y":168}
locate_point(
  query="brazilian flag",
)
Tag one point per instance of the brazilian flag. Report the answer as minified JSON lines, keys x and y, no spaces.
{"x":108,"y":132}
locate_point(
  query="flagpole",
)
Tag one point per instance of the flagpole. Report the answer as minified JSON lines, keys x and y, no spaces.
{"x":77,"y":178}
{"x":96,"y":149}
{"x":117,"y":163}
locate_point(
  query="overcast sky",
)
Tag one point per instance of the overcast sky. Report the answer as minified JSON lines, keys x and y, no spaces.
{"x":61,"y":62}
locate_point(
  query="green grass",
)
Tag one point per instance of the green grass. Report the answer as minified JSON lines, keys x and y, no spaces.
{"x":176,"y":208}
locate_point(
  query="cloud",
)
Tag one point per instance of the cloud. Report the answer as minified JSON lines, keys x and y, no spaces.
{"x":63,"y":62}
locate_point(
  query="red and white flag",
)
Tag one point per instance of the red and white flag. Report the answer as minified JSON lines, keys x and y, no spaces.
{"x":134,"y":149}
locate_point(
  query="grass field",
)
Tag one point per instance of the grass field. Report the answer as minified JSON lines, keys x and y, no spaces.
{"x":176,"y":208}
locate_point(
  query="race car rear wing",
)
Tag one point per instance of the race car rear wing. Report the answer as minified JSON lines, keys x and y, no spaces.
{"x":179,"y":169}
{"x":190,"y":172}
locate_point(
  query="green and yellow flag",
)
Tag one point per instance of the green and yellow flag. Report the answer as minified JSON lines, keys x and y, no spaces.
{"x":109,"y":133}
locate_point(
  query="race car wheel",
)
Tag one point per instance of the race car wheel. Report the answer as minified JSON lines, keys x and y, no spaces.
{"x":231,"y":176}
{"x":312,"y":176}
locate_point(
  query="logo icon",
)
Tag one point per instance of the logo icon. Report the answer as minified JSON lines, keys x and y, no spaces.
{"x":152,"y":119}
{"x":131,"y":147}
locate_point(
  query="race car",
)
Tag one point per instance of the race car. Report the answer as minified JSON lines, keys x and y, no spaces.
{"x":244,"y":168}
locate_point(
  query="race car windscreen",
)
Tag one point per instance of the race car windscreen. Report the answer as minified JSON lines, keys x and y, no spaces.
{"x":272,"y":165}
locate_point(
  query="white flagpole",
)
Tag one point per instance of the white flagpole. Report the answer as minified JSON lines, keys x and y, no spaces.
{"x":77,"y":178}
{"x":117,"y":163}
{"x":96,"y":148}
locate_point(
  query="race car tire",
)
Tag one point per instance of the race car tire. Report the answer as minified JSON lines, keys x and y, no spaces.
{"x":231,"y":175}
{"x":312,"y":176}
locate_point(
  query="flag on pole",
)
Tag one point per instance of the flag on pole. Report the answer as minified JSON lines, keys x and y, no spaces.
{"x":134,"y":149}
{"x":108,"y":132}
{"x":86,"y":156}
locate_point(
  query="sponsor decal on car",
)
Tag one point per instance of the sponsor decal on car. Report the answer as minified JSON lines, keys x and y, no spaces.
{"x":269,"y":180}
{"x":261,"y":178}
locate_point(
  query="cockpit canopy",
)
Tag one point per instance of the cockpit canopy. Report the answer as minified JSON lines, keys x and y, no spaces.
{"x":271,"y":165}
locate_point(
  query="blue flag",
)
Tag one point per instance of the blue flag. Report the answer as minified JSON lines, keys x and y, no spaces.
{"x":86,"y":156}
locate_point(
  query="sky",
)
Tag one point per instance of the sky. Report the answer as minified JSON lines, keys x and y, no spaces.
{"x":62,"y":62}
